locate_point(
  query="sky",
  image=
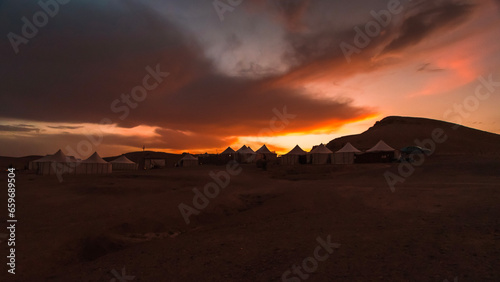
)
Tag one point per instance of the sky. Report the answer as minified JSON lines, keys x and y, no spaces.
{"x":198,"y":76}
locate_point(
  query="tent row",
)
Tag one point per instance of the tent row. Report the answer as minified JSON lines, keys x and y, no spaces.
{"x":348,"y":154}
{"x":246,"y":155}
{"x":59,"y":163}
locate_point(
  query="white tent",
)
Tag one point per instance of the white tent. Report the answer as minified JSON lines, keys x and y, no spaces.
{"x":380,"y":153}
{"x":123,"y":163}
{"x":57,"y":163}
{"x":381,"y":146}
{"x":294,"y":156}
{"x":264,"y":153}
{"x":188,"y":160}
{"x":94,"y":165}
{"x":321,"y":155}
{"x":246,"y":154}
{"x":346,"y":155}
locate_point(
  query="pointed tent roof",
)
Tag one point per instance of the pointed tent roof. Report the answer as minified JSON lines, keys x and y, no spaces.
{"x":95,"y":159}
{"x":59,"y":156}
{"x":243,"y":148}
{"x":321,"y":149}
{"x":381,"y":147}
{"x":229,"y":150}
{"x":122,"y":160}
{"x":188,"y":157}
{"x":348,"y":148}
{"x":263,"y":150}
{"x":297,"y":151}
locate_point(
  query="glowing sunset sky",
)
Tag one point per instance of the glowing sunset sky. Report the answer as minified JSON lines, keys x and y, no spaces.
{"x":231,"y":76}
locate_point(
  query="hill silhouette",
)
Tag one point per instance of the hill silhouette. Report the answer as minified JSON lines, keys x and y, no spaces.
{"x":399,"y":132}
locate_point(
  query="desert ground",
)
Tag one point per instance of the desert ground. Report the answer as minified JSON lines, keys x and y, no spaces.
{"x":442,"y":223}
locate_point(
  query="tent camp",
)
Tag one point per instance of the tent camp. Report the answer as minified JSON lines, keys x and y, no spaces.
{"x":346,"y":155}
{"x":380,"y":153}
{"x":321,"y":155}
{"x":123,"y":163}
{"x":188,"y":160}
{"x":94,"y":165}
{"x":57,"y":163}
{"x":264,"y":153}
{"x":294,"y":157}
{"x":245,"y":155}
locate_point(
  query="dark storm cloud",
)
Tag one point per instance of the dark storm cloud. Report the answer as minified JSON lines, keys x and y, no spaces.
{"x":64,"y":127}
{"x":86,"y":57}
{"x":432,"y":16}
{"x":316,"y":53}
{"x":19,"y":128}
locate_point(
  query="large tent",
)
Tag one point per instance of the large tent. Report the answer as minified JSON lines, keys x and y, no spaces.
{"x":321,"y":155}
{"x":294,"y":157}
{"x":346,"y":155}
{"x":123,"y":163}
{"x":264,"y":153}
{"x":380,"y":153}
{"x":245,"y":155}
{"x":94,"y":165}
{"x":188,"y":160}
{"x":57,"y":163}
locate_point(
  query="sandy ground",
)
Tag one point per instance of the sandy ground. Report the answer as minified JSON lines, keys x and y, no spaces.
{"x":442,"y":223}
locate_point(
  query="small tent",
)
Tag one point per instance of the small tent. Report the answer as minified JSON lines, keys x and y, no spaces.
{"x":380,"y":153}
{"x":188,"y":160}
{"x":264,"y":153}
{"x":294,"y":157}
{"x":123,"y":163}
{"x":245,"y":155}
{"x":346,"y":155}
{"x":94,"y":165}
{"x":321,"y":155}
{"x":57,"y":163}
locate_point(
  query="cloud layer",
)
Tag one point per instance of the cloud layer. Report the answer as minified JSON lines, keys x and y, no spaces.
{"x":80,"y":65}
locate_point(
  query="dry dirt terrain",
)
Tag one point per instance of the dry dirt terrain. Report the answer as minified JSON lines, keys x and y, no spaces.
{"x":442,"y":223}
